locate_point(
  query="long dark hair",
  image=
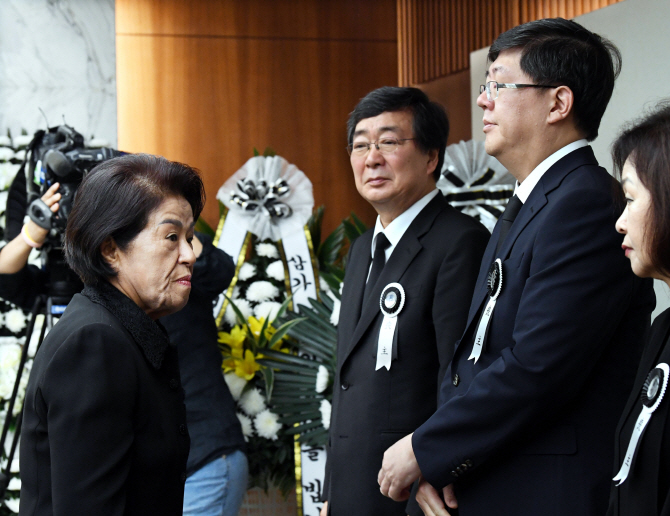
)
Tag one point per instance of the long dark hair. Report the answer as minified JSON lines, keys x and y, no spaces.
{"x":646,"y":144}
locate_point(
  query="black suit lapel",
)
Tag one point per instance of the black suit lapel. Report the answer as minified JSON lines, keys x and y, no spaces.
{"x":533,"y":205}
{"x":403,"y":255}
{"x":352,"y":296}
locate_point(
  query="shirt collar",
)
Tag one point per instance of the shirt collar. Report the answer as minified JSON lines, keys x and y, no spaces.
{"x":396,"y":229}
{"x":523,"y":190}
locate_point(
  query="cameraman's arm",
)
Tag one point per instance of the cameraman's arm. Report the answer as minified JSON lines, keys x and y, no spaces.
{"x":14,"y":256}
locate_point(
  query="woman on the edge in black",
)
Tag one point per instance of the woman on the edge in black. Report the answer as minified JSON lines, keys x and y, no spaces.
{"x":642,"y":453}
{"x":104,"y":425}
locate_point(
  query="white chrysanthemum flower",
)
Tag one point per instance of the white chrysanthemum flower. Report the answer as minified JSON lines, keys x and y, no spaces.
{"x":15,"y":320}
{"x":22,"y":140}
{"x":276,"y":271}
{"x":5,"y":141}
{"x":7,"y":173}
{"x":335,"y":314}
{"x":325,"y":413}
{"x":322,"y":378}
{"x":235,"y":384}
{"x":20,"y":154}
{"x":10,"y":356}
{"x":243,"y":306}
{"x":247,"y":427}
{"x":252,"y":402}
{"x":14,"y":484}
{"x":260,"y":291}
{"x":6,"y":153}
{"x":267,"y":250}
{"x":267,"y":310}
{"x":12,"y":504}
{"x":267,"y":424}
{"x":247,"y":271}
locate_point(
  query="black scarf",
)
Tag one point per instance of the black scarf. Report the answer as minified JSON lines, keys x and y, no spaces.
{"x":150,"y":335}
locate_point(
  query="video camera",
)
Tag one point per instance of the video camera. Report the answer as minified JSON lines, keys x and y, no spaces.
{"x":58,"y":155}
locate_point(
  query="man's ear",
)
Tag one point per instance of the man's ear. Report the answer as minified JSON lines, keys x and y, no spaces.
{"x":562,"y":102}
{"x":432,"y":160}
{"x":110,"y":252}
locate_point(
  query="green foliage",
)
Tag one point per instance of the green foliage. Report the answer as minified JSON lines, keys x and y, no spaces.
{"x":295,"y":398}
{"x":202,"y":227}
{"x":267,"y":153}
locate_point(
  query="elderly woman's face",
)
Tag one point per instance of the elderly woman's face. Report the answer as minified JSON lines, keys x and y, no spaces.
{"x":634,"y":221}
{"x":155,"y":269}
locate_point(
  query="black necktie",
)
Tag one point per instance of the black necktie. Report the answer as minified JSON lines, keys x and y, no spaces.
{"x":507,"y":219}
{"x":378,"y":262}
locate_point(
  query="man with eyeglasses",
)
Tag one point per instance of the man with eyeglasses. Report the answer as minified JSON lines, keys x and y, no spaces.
{"x":407,"y":289}
{"x":529,"y":405}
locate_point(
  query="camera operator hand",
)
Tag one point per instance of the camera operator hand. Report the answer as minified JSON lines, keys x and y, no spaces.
{"x":14,"y":256}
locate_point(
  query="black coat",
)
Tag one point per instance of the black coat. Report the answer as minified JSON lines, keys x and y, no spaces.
{"x":527,"y":430}
{"x":104,"y":429}
{"x":436,"y":261}
{"x":646,"y":491}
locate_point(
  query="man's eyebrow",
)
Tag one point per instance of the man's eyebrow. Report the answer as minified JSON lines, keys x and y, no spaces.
{"x":381,"y":130}
{"x":495,"y":69}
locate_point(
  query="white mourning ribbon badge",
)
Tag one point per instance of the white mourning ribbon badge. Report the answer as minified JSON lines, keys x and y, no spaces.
{"x":494,"y":283}
{"x":652,"y":395}
{"x":391,"y":303}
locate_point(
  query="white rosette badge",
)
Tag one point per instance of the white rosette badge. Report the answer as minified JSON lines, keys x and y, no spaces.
{"x":652,"y":394}
{"x":475,"y":182}
{"x":271,"y":199}
{"x":391,"y":303}
{"x":494,"y":284}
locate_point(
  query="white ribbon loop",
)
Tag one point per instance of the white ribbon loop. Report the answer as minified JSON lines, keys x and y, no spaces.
{"x":391,"y":303}
{"x":652,"y":395}
{"x":494,"y":284}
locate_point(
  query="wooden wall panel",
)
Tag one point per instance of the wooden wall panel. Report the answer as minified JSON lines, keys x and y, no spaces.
{"x":314,"y":19}
{"x":435,"y":37}
{"x":209,"y":100}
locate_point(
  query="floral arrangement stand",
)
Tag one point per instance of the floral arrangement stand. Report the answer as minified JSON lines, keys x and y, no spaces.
{"x":474,"y":182}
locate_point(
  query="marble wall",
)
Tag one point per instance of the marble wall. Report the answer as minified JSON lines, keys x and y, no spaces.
{"x":58,"y":56}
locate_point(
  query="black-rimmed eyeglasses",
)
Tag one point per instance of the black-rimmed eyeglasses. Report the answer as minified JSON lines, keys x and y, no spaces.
{"x":383,"y":145}
{"x":492,"y":88}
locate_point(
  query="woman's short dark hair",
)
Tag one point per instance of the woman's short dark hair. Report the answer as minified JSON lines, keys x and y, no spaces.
{"x":116,"y":200}
{"x":430,"y":125}
{"x":646,"y":144}
{"x":563,"y":53}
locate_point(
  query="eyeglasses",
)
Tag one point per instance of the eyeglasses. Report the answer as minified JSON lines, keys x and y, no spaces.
{"x":492,"y":88}
{"x":383,"y":145}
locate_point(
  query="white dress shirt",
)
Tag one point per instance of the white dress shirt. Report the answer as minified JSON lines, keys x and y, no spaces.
{"x":396,"y":229}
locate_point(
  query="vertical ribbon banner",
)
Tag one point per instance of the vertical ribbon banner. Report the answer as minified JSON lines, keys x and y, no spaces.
{"x":269,"y":198}
{"x":474,"y":182}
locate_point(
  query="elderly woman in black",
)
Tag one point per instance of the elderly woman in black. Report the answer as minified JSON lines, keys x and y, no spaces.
{"x":642,"y":453}
{"x":104,"y":420}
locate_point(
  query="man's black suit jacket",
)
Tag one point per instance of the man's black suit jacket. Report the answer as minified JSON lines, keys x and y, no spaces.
{"x":436,"y":261}
{"x":528,"y":429}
